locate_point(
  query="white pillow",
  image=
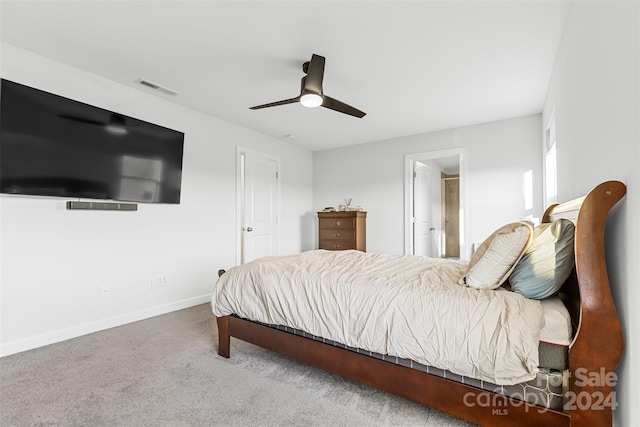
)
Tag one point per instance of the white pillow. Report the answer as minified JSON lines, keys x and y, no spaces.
{"x":496,"y":257}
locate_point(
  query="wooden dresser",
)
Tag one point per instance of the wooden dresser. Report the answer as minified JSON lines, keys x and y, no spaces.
{"x":338,"y":231}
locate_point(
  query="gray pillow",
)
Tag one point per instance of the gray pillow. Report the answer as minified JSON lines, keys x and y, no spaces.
{"x":547,"y":262}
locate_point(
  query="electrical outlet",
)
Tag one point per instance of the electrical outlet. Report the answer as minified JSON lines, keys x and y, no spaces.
{"x":151,"y":282}
{"x":105,"y":290}
{"x":163,"y":280}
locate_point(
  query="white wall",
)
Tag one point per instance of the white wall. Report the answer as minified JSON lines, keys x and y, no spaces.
{"x":595,"y":90}
{"x":54,"y":261}
{"x":498,"y":156}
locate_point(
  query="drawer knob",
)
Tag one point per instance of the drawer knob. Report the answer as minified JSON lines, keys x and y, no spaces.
{"x":337,"y":222}
{"x":337,"y":234}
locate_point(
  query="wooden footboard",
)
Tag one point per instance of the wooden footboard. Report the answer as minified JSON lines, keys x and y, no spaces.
{"x":593,"y":354}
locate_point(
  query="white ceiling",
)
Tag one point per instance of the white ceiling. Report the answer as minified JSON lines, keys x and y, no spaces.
{"x":413,"y":67}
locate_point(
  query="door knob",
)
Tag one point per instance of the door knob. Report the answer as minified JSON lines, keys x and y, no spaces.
{"x":248,"y":229}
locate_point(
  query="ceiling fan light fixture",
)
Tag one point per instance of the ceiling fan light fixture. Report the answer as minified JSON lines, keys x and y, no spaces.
{"x":116,"y":125}
{"x":311,"y":100}
{"x":116,"y":129}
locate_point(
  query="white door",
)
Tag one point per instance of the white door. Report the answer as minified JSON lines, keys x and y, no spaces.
{"x":260,"y":206}
{"x":422,"y":211}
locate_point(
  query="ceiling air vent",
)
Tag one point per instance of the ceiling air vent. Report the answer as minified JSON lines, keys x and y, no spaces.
{"x":157,"y":87}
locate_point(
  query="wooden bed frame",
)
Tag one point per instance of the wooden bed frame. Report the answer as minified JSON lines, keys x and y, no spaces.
{"x":593,"y":355}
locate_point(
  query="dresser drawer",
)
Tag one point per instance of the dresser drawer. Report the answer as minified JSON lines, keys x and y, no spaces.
{"x":337,"y":245}
{"x":336,"y":223}
{"x":337,"y":233}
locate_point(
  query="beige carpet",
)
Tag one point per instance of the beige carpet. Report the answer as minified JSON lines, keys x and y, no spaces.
{"x":165,"y":371}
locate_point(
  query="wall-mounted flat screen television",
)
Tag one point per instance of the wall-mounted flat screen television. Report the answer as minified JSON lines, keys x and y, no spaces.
{"x":55,"y":146}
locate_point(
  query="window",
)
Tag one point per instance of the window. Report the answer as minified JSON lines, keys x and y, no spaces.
{"x":550,"y":170}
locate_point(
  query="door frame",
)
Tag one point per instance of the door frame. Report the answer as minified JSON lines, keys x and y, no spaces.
{"x":409,"y":167}
{"x":240,"y":153}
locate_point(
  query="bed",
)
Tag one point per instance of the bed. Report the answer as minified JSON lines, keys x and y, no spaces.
{"x":485,"y":378}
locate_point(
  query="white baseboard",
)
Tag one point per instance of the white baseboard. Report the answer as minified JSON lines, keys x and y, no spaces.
{"x":59,"y":335}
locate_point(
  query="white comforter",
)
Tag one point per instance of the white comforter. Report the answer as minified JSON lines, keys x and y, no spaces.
{"x":401,"y":305}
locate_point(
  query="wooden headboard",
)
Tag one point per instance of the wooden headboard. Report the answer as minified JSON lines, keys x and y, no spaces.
{"x":598,"y":341}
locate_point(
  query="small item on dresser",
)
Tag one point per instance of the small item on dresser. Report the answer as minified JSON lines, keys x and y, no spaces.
{"x":329,"y":209}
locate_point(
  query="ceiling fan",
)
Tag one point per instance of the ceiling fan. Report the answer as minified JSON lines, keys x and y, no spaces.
{"x":116,"y":124}
{"x":311,"y":91}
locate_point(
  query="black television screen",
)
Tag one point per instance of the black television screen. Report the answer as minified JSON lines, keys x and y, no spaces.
{"x":55,"y":146}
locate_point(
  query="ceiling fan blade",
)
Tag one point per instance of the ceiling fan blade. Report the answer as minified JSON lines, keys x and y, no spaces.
{"x":315,"y":74}
{"x":275,"y":104}
{"x":334,"y":104}
{"x":81,"y":120}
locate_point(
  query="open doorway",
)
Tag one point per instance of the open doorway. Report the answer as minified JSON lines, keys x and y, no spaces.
{"x":450,"y":198}
{"x":435,"y":200}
